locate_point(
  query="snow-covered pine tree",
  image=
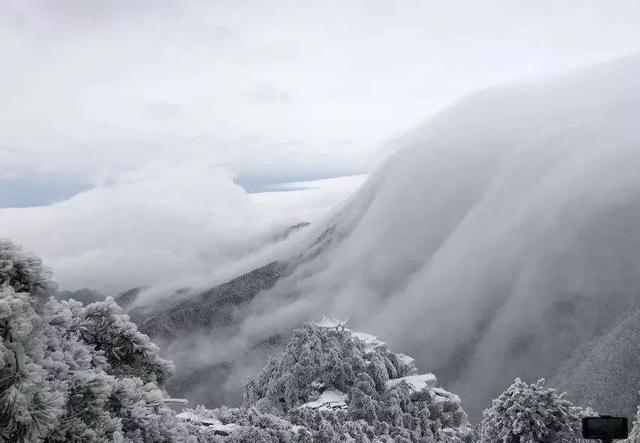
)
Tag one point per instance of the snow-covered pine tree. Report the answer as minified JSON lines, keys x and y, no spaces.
{"x":532,"y":413}
{"x":106,"y":327}
{"x":69,"y":373}
{"x":30,"y":404}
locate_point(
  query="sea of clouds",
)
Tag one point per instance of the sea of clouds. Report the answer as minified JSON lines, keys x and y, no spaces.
{"x":498,"y":242}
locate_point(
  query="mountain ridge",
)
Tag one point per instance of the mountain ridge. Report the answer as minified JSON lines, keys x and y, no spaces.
{"x":502,"y":248}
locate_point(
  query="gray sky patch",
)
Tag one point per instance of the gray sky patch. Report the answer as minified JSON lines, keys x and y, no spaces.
{"x":38,"y":191}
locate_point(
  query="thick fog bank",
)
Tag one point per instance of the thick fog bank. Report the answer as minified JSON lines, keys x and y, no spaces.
{"x":169,"y":223}
{"x":500,"y":241}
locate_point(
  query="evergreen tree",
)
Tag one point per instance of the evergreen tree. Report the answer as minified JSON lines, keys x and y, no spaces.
{"x":531,"y":413}
{"x":73,"y":373}
{"x":30,"y":405}
{"x":106,"y":327}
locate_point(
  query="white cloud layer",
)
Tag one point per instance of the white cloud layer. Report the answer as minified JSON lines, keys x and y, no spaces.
{"x":501,"y":238}
{"x":275,"y":91}
{"x":175,"y":223}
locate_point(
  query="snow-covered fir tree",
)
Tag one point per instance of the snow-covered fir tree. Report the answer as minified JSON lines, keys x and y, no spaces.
{"x":30,"y":403}
{"x":532,"y":413}
{"x":69,"y":373}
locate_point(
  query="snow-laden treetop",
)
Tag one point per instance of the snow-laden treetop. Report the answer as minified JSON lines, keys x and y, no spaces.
{"x":332,"y":381}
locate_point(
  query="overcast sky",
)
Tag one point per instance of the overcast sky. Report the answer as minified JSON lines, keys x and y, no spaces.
{"x":274,"y":90}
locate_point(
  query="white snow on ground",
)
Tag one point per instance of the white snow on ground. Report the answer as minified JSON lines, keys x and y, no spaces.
{"x":180,"y":401}
{"x":190,"y":416}
{"x":416,"y":382}
{"x":212,"y":423}
{"x":329,"y":399}
{"x":409,"y":361}
{"x":442,"y":395}
{"x":331,"y":322}
{"x":371,"y":341}
{"x":428,"y":382}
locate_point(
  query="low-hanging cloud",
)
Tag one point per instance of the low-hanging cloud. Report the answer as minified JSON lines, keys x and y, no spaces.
{"x":172,"y":222}
{"x":501,"y":238}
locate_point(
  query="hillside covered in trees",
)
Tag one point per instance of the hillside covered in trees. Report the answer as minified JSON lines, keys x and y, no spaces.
{"x":73,"y":373}
{"x":519,"y":239}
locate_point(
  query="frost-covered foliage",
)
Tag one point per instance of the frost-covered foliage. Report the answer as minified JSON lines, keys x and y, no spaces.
{"x":85,"y":373}
{"x":30,"y":404}
{"x":69,"y":373}
{"x":332,"y":384}
{"x":128,"y":351}
{"x":241,"y":425}
{"x":532,"y":413}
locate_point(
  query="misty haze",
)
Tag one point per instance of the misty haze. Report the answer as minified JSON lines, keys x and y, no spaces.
{"x":298,"y":221}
